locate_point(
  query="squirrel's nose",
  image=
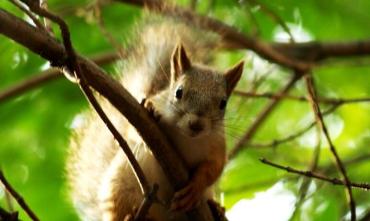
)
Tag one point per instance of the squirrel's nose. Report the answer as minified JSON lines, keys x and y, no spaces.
{"x":196,"y":126}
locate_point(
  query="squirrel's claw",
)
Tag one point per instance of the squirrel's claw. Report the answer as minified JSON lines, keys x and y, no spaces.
{"x":147,"y":104}
{"x":187,"y":198}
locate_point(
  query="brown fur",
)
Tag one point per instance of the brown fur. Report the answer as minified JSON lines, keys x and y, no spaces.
{"x":103,"y":186}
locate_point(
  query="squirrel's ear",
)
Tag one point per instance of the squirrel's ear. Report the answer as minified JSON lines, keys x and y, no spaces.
{"x":232,"y":77}
{"x":179,"y":61}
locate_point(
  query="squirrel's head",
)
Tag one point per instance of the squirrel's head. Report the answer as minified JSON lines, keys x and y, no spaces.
{"x":198,"y":94}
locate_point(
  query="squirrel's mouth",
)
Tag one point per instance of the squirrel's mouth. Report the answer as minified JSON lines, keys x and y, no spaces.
{"x":190,"y":133}
{"x":195,"y":134}
{"x":192,"y":128}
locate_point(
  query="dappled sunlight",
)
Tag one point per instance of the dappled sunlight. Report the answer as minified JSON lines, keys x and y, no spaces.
{"x":19,"y":58}
{"x":298,"y":32}
{"x":335,"y":126}
{"x":276,"y":203}
{"x":77,"y":121}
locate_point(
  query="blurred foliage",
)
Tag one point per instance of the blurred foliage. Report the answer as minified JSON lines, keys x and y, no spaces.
{"x":34,"y":127}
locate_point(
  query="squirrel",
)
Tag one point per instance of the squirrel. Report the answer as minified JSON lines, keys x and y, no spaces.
{"x":166,"y":70}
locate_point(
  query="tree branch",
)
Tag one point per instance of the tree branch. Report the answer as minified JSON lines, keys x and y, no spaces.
{"x":17,"y":197}
{"x":304,"y":187}
{"x":297,"y":56}
{"x":317,"y":51}
{"x":29,"y":14}
{"x":335,"y":181}
{"x":359,"y":159}
{"x":231,"y":36}
{"x":293,"y":136}
{"x":48,"y":75}
{"x":261,"y":119}
{"x":323,"y":100}
{"x":274,"y":16}
{"x":320,"y":122}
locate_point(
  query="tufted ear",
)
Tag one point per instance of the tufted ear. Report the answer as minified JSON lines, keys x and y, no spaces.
{"x":232,"y":77}
{"x":179,"y":61}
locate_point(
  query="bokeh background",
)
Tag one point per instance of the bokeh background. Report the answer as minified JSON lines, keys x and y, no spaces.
{"x":35,"y":126}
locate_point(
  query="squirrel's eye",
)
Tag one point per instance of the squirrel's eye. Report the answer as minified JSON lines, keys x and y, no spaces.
{"x":222,"y":104}
{"x":179,"y":93}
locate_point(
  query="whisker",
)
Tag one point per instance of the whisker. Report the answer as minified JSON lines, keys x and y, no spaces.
{"x":163,"y":71}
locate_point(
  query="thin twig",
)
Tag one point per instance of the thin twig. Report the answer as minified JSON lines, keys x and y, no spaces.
{"x":335,"y":181}
{"x":307,"y":180}
{"x":47,"y":76}
{"x":22,"y":203}
{"x":336,"y":102}
{"x":29,"y":14}
{"x":275,"y":17}
{"x":71,"y":60}
{"x":270,"y":95}
{"x":260,"y":119}
{"x":320,"y":121}
{"x":291,"y":137}
{"x":255,"y":29}
{"x":47,"y":23}
{"x":101,"y":24}
{"x":257,"y":81}
{"x":30,"y":83}
{"x":358,"y":159}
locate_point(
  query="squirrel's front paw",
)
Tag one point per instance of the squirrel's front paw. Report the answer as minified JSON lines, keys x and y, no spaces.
{"x":188,"y":197}
{"x":147,"y":104}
